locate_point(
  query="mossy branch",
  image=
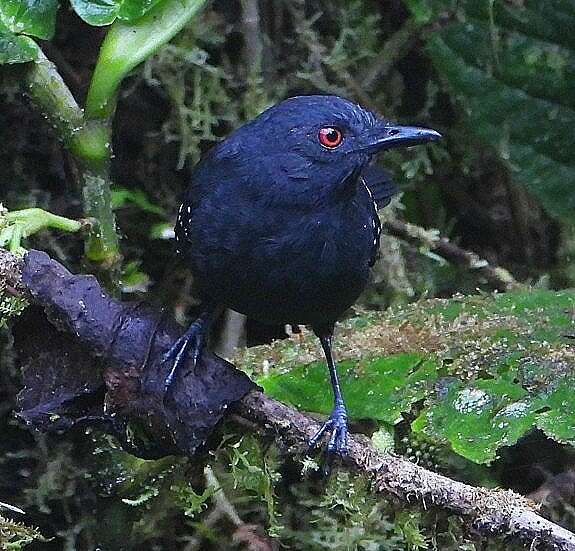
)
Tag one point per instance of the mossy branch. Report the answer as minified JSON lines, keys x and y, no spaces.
{"x":496,"y":513}
{"x":491,"y":513}
{"x":496,"y":276}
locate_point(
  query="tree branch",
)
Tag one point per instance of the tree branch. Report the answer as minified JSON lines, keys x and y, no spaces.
{"x":499,"y":278}
{"x":491,"y":513}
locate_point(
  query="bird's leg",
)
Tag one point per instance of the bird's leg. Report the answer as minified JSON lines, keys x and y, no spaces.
{"x":336,"y":425}
{"x":191,"y":342}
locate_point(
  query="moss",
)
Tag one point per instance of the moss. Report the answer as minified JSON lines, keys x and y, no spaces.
{"x":15,"y":535}
{"x":492,"y":333}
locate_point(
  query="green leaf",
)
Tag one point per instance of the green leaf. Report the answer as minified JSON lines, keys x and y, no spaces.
{"x":122,"y":196}
{"x":16,"y":49}
{"x":96,"y":12}
{"x":478,"y":419}
{"x":191,"y":502}
{"x":32,"y":17}
{"x":379,"y":388}
{"x":130,"y":10}
{"x":494,"y":368}
{"x":512,"y":67}
{"x":129,"y":43}
{"x":557,"y":413}
{"x":105,"y":12}
{"x":522,"y":345}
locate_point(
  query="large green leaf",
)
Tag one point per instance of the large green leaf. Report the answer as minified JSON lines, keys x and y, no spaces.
{"x":512,"y":66}
{"x":16,"y":49}
{"x":32,"y":17}
{"x":380,"y":388}
{"x":481,"y":371}
{"x":105,"y":12}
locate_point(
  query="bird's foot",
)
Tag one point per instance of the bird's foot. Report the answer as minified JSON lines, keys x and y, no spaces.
{"x":336,"y":427}
{"x":189,"y":345}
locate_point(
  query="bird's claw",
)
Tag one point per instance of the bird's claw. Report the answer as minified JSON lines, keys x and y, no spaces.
{"x":336,"y":427}
{"x":189,"y":345}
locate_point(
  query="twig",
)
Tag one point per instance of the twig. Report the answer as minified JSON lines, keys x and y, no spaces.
{"x":222,"y":503}
{"x":233,"y":333}
{"x":491,"y":513}
{"x":499,"y":278}
{"x":252,"y":35}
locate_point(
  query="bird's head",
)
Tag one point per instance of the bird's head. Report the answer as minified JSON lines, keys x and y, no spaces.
{"x":319,"y":142}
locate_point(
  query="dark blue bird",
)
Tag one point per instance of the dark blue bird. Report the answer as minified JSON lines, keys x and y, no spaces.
{"x":280,"y":223}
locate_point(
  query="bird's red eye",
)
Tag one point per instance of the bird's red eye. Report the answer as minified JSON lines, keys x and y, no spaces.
{"x":330,"y":137}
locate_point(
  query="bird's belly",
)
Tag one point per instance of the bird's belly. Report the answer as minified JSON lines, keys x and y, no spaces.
{"x":311,"y":280}
{"x":287,"y":297}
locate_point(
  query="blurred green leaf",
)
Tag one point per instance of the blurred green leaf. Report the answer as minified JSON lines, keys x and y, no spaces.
{"x":16,"y":49}
{"x":379,"y":388}
{"x":133,"y":279}
{"x":162,"y":230}
{"x":122,"y":196}
{"x":512,"y":66}
{"x":35,"y":18}
{"x":105,"y":12}
{"x":421,"y":10}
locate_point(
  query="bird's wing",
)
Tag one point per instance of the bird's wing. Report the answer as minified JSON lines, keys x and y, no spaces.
{"x":376,"y":226}
{"x":380,"y":185}
{"x":381,"y":189}
{"x":182,"y":227}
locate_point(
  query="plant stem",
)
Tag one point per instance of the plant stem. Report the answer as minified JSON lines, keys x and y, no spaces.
{"x":89,"y":137}
{"x":128,"y":44}
{"x":125,"y":46}
{"x":89,"y":144}
{"x":44,"y":86}
{"x":102,"y":245}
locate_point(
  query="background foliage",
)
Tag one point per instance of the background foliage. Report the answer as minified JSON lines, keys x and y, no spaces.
{"x":476,"y":387}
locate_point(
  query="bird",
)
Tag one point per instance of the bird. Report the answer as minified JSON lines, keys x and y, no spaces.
{"x":280,"y":223}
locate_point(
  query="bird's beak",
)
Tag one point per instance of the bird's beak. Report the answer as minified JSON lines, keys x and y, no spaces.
{"x":387,"y":136}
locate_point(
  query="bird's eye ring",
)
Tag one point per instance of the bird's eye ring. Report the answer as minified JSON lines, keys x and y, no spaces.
{"x":330,"y":137}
